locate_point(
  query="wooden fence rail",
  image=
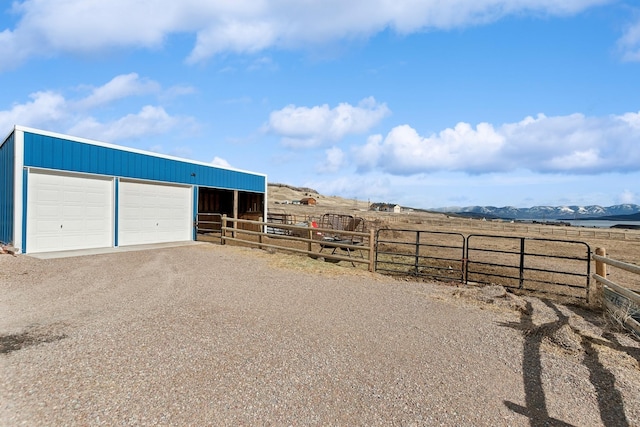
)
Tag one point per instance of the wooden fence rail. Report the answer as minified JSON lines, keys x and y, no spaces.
{"x":542,"y":229}
{"x":313,"y":238}
{"x":622,"y":303}
{"x":518,"y":227}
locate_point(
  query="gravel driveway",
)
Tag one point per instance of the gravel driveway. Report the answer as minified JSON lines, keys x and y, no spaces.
{"x":217,"y":335}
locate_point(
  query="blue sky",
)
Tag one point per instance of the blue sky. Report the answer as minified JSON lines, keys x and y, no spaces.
{"x":423,"y":103}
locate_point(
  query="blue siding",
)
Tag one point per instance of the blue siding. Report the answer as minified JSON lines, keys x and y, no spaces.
{"x":7,"y":188}
{"x":57,"y":153}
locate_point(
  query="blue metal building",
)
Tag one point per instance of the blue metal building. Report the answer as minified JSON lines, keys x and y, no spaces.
{"x":59,"y":192}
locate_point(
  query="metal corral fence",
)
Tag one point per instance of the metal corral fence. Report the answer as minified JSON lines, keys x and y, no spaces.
{"x":274,"y":217}
{"x":541,"y":228}
{"x":540,"y":265}
{"x":518,"y":227}
{"x":622,"y":303}
{"x":208,"y":223}
{"x":326,"y":243}
{"x":548,"y":266}
{"x":429,"y":254}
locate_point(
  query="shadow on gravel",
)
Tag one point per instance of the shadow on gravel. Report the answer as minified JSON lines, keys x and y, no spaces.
{"x":34,"y":336}
{"x":610,"y":401}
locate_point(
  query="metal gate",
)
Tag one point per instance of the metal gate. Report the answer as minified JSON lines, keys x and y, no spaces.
{"x":430,"y":254}
{"x":558,"y":267}
{"x":208,"y":224}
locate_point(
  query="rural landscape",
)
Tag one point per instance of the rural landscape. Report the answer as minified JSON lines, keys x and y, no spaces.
{"x":619,"y":243}
{"x":228,"y":335}
{"x":543,"y":238}
{"x":320,"y":213}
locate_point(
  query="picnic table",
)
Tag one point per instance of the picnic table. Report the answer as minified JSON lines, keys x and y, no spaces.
{"x":336,"y":240}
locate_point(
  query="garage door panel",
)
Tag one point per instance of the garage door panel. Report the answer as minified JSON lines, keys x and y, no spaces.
{"x":93,"y":212}
{"x":79,"y":213}
{"x":95,"y":227}
{"x":76,"y":197}
{"x":66,"y":212}
{"x":76,"y":225}
{"x":47,"y":211}
{"x":50,"y":195}
{"x":45,"y":244}
{"x":45,"y":226}
{"x":153,"y":213}
{"x":71,"y":241}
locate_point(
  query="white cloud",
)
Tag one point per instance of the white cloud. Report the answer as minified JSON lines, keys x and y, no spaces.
{"x":576,"y":160}
{"x":629,"y":43}
{"x":54,"y":111}
{"x":627,"y":197}
{"x":44,"y":109}
{"x":149,"y":120}
{"x":235,"y":36}
{"x":562,"y":144}
{"x":48,"y":27}
{"x":263,"y":63}
{"x":122,"y":86}
{"x":404,"y":151}
{"x":315,"y":126}
{"x":359,"y":187}
{"x":220,"y":162}
{"x":631,"y":119}
{"x":334,"y":161}
{"x":176,"y":91}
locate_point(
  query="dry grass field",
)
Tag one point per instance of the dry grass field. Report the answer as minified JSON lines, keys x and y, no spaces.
{"x":623,"y":245}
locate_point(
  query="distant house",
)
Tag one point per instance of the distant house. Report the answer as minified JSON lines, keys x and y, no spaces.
{"x":392,"y":208}
{"x":310,"y":201}
{"x":385,"y":207}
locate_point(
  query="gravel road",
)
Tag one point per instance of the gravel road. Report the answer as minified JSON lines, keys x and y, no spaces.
{"x":217,"y":335}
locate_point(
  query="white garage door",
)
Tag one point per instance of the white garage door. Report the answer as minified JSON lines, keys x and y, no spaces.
{"x":151,"y":213}
{"x":67,"y":212}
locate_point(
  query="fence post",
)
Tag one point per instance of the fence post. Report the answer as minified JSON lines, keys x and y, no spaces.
{"x":601,"y":267}
{"x":223,"y":233}
{"x":310,"y":236}
{"x":416,"y":263}
{"x":235,"y":227}
{"x":372,"y":250}
{"x":601,"y":270}
{"x":522,"y":249}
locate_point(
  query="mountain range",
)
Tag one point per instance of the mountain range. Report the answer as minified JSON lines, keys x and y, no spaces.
{"x":545,"y":212}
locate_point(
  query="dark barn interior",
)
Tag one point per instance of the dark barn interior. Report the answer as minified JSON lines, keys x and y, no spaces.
{"x":218,"y":201}
{"x":213,"y":200}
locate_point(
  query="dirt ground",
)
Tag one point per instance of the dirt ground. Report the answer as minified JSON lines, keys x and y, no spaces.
{"x":220,"y":335}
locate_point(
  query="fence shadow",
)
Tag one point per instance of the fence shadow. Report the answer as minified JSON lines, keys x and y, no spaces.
{"x":610,"y":401}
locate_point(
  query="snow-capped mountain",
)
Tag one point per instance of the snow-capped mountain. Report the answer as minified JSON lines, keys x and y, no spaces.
{"x":545,"y":212}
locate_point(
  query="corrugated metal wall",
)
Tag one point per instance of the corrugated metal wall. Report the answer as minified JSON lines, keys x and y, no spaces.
{"x":48,"y":152}
{"x":7,"y":168}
